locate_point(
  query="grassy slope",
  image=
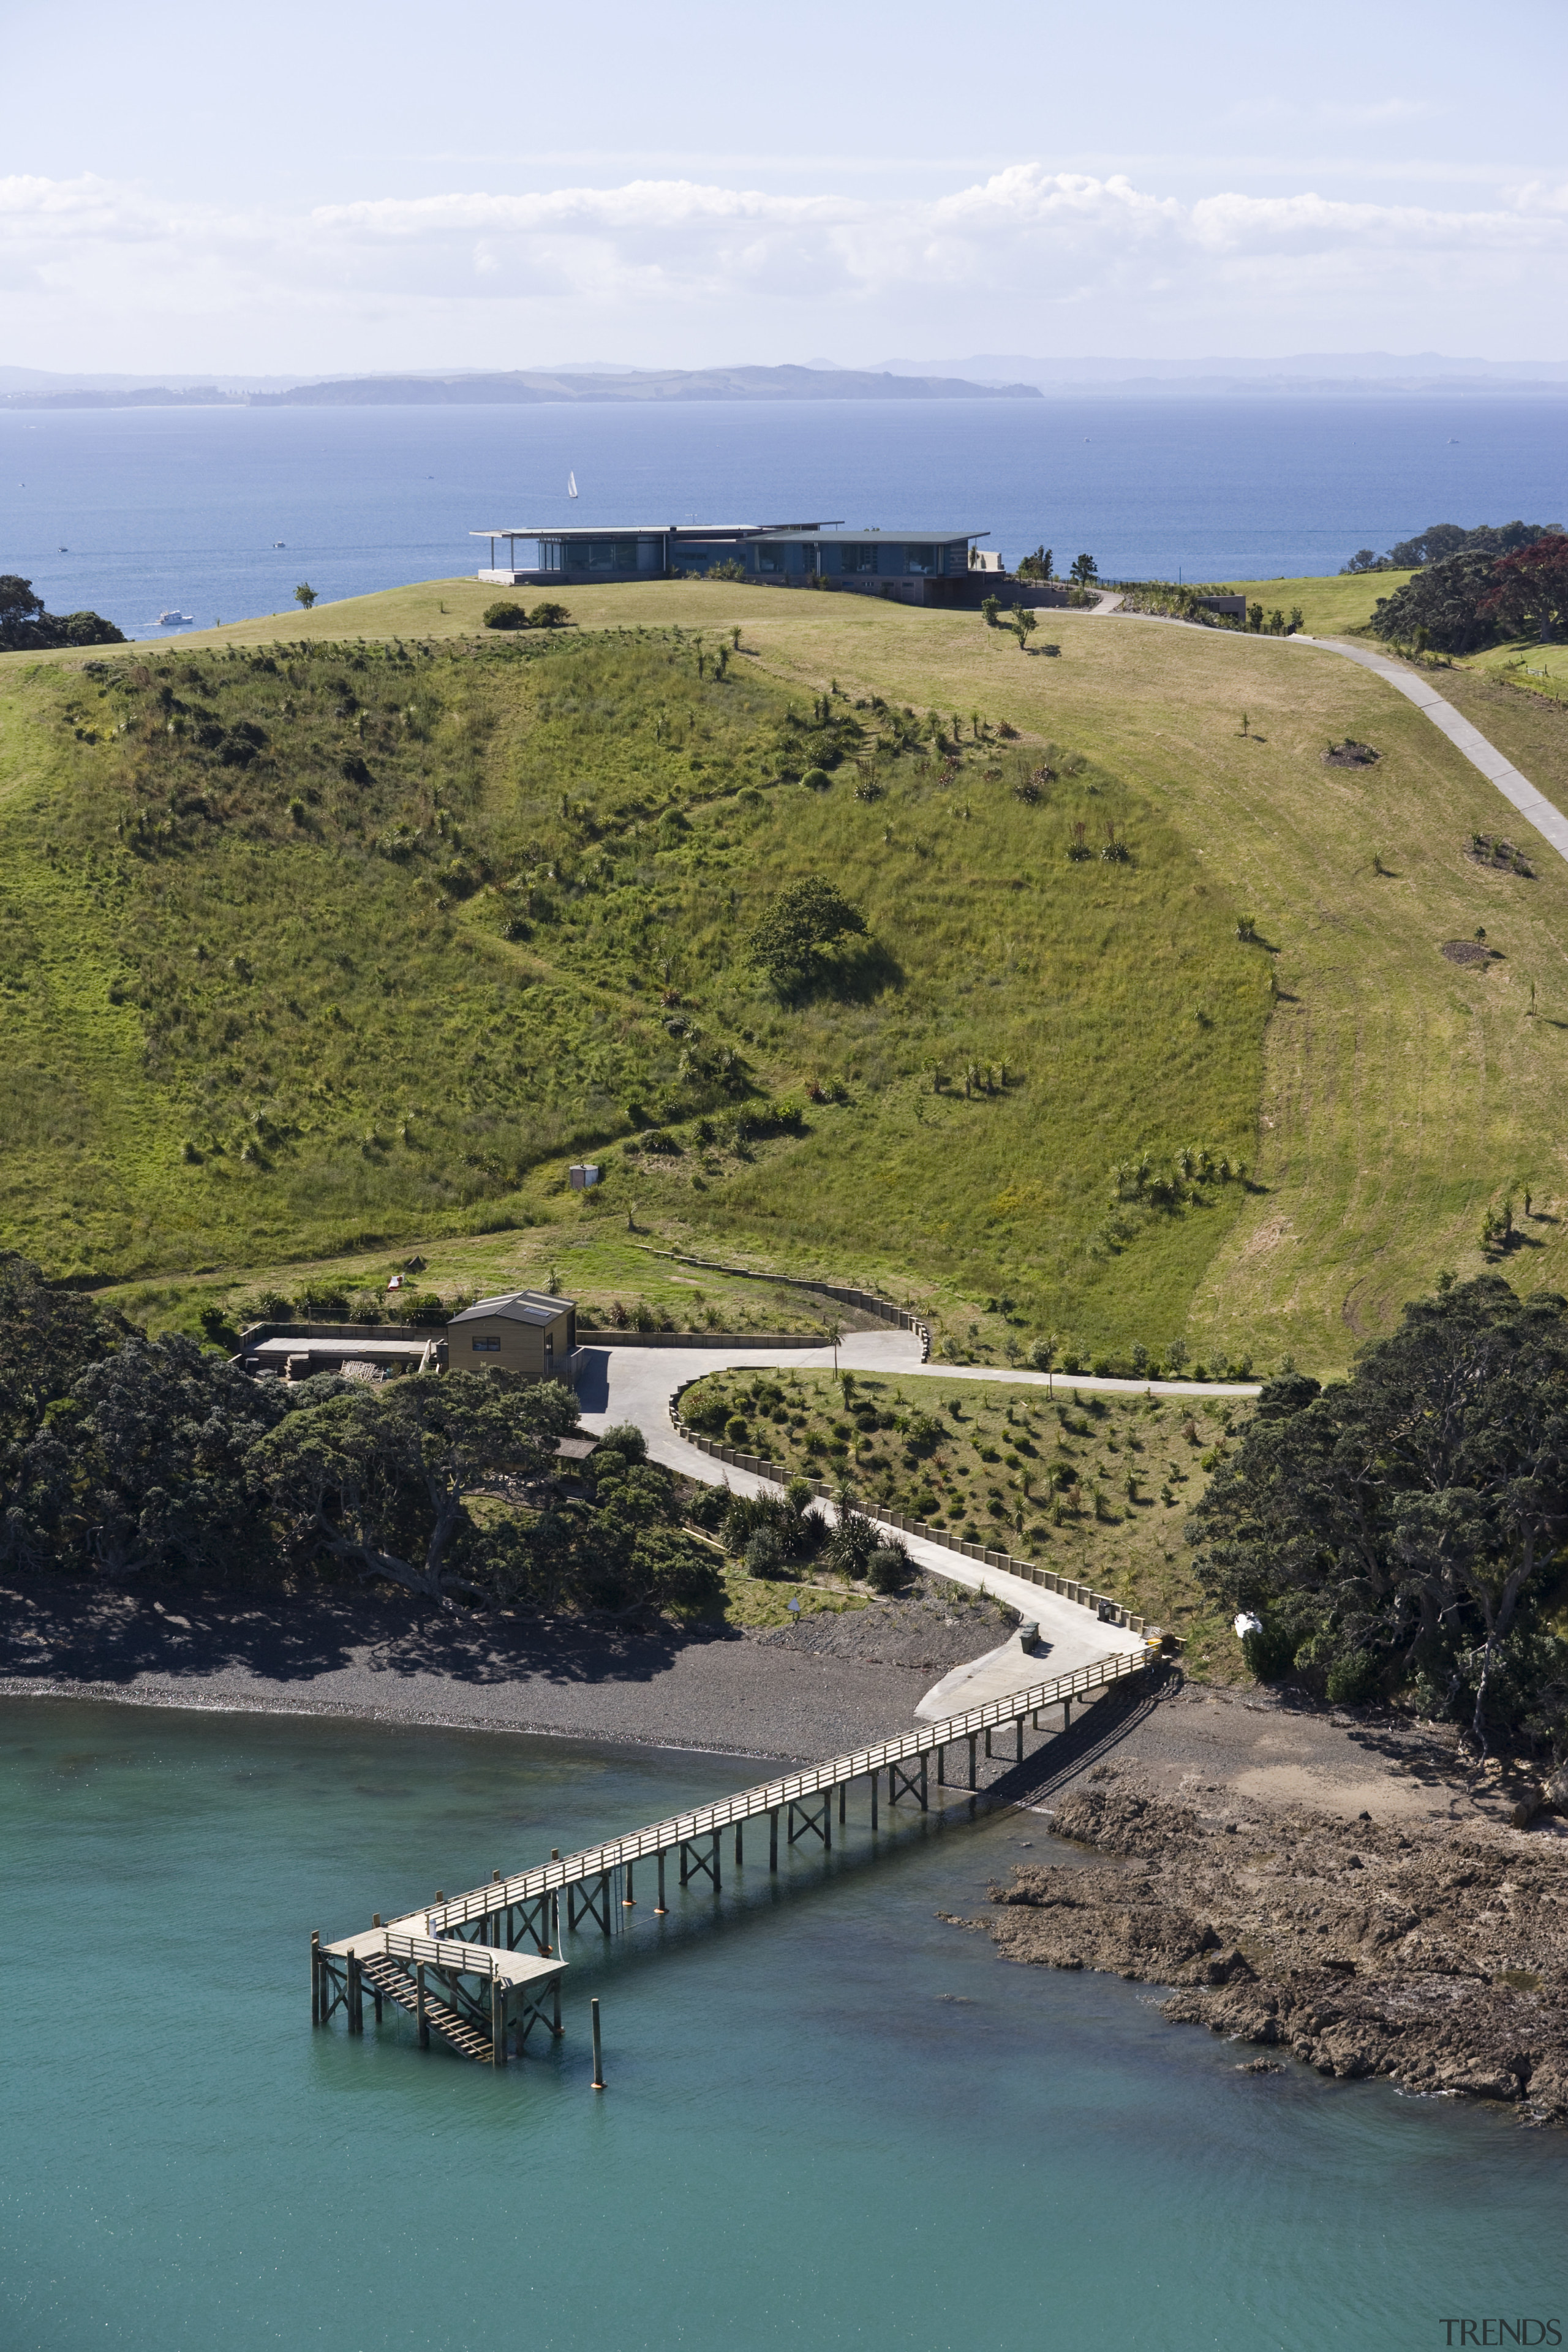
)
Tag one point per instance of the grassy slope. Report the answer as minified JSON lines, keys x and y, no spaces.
{"x":1399,"y":1095}
{"x":1130,"y":1545}
{"x":320,"y":1041}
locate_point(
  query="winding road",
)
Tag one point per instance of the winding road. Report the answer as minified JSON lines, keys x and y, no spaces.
{"x":636,"y":1384}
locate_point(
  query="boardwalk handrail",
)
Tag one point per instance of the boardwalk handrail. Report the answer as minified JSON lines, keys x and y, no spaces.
{"x":593,"y":1862}
{"x":473,"y":1960}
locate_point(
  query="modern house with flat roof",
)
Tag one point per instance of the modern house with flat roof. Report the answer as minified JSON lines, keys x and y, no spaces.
{"x":920,"y":567}
{"x":524,"y":1331}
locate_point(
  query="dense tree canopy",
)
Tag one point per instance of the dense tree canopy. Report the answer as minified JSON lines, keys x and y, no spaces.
{"x":1529,"y":589}
{"x":122,"y":1456}
{"x":1441,"y":540}
{"x":25,"y":627}
{"x":378,"y":1476}
{"x":1403,"y":1529}
{"x":1442,"y":606}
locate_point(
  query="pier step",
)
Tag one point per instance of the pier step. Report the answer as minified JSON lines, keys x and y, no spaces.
{"x":445,"y":2020}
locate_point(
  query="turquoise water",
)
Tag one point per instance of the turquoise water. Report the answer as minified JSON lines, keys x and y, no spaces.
{"x":832,"y":2120}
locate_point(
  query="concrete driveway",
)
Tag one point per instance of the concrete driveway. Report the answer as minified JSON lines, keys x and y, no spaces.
{"x":636,"y":1384}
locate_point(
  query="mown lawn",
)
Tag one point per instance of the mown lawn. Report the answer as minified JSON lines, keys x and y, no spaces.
{"x":1330,"y":607}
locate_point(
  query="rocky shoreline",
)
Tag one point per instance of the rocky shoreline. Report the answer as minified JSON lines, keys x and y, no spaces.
{"x":1433,"y":1954}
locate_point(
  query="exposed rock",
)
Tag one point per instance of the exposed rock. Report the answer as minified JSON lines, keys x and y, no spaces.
{"x":1436,"y":1957}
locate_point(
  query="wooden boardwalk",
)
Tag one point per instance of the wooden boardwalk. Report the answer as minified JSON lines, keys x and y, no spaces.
{"x":495,"y":1951}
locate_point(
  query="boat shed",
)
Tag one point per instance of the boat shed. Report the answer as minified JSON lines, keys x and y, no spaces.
{"x":916,"y":566}
{"x":526,"y":1332}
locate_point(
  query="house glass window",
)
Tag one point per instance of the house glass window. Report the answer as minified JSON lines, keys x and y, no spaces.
{"x":859,"y":558}
{"x":487,"y":1347}
{"x":770,"y":558}
{"x":920,"y":559}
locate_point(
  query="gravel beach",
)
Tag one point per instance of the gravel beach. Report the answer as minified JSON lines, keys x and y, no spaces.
{"x":833,"y":1683}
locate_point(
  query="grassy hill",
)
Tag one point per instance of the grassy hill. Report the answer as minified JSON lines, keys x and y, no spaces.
{"x":246,"y":1033}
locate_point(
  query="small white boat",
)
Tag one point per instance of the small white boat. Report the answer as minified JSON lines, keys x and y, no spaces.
{"x":173,"y":620}
{"x":571,"y":485}
{"x":279,"y":542}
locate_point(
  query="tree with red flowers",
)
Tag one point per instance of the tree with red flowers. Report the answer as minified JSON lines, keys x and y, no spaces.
{"x":1529,"y":589}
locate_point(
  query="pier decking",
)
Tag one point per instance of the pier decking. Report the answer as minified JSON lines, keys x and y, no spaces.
{"x":495,"y":1951}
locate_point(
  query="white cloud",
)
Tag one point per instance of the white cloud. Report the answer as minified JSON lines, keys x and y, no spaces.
{"x":716,"y":270}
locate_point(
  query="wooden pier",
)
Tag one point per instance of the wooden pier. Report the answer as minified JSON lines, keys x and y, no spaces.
{"x":494,"y":1953}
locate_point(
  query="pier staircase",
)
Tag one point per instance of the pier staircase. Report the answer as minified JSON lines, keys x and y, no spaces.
{"x":384,"y":1977}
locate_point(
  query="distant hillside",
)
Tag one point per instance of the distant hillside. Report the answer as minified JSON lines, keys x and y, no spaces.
{"x":522,"y":387}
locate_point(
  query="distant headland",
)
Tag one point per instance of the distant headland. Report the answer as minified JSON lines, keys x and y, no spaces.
{"x":523,"y":387}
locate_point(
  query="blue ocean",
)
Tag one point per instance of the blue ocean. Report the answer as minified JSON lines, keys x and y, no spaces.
{"x":219,"y":514}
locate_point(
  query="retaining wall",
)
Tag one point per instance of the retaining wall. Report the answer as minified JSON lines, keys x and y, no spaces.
{"x":771,"y":1339}
{"x":1109,"y":1612}
{"x":884,"y":1309}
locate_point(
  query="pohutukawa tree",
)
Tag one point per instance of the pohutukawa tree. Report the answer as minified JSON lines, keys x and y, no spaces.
{"x":1403,"y":1530}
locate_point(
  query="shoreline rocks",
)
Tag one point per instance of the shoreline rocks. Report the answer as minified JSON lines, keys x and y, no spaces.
{"x":1435,"y":1956}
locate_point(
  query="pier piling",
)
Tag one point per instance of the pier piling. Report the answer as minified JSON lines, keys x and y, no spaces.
{"x":598,"y":2052}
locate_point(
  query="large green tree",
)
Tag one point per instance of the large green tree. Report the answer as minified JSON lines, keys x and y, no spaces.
{"x":797,"y":927}
{"x":378,"y":1477}
{"x":1405,"y":1527}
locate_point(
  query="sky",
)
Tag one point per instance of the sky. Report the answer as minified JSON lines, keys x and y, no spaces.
{"x":332,"y":187}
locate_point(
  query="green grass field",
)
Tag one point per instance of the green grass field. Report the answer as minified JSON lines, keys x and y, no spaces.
{"x":1330,"y":607}
{"x":391,"y":1069}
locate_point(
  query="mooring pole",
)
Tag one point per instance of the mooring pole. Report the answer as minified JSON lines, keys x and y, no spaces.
{"x":774,"y":1839}
{"x":555,"y":2020}
{"x":598,"y":2054}
{"x":315,"y":1976}
{"x":660,"y":1906}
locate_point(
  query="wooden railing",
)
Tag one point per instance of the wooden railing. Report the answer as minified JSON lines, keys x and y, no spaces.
{"x":473,"y":1960}
{"x":593,"y":1862}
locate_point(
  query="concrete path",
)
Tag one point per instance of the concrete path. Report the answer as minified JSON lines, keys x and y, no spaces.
{"x":1548,"y":820}
{"x":636,"y":1384}
{"x":1012,"y":1667}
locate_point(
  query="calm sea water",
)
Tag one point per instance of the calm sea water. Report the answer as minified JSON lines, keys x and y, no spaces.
{"x":168,"y":507}
{"x":832,"y":2120}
